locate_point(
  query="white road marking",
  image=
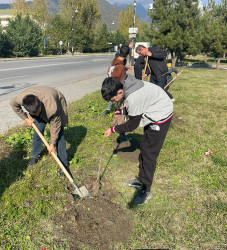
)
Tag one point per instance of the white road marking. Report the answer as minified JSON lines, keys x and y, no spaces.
{"x":50,"y":65}
{"x":12,"y":77}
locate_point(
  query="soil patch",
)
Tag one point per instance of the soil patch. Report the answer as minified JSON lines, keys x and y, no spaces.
{"x":177,"y":119}
{"x":128,"y":150}
{"x":95,"y":222}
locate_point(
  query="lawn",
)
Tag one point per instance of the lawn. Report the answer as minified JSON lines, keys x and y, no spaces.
{"x":188,"y":205}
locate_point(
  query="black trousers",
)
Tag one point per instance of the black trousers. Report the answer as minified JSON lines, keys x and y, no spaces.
{"x":161,"y":82}
{"x":150,"y":147}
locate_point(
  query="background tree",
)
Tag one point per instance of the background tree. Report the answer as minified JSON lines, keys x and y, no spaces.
{"x":102,"y":38}
{"x":57,"y":29}
{"x":24,"y":36}
{"x":174,"y":27}
{"x":125,"y":21}
{"x":39,"y":11}
{"x":214,"y":30}
{"x":83,"y":22}
{"x":20,"y":7}
{"x":5,"y":49}
{"x":118,"y":38}
{"x":144,"y":32}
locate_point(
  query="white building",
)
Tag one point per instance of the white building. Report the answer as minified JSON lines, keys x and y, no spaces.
{"x":4,"y":20}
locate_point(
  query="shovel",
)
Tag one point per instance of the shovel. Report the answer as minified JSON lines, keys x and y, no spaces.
{"x":172,"y":80}
{"x":97,"y":184}
{"x":82,"y":191}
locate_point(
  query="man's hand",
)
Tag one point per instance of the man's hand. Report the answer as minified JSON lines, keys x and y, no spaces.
{"x":118,"y":112}
{"x":129,"y":67}
{"x":144,"y":76}
{"x":29,"y":121}
{"x":51,"y":148}
{"x":148,"y":53}
{"x":108,"y":133}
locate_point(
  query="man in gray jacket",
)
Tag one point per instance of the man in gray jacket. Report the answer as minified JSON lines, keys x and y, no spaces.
{"x":45,"y":105}
{"x":147,"y":106}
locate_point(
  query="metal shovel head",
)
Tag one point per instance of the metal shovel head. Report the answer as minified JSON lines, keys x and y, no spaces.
{"x":83,"y":192}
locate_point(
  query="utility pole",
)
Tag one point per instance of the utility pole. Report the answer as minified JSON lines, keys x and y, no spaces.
{"x":133,"y":39}
{"x":73,"y":28}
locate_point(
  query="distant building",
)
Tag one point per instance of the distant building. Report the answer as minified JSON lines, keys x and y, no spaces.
{"x":4,"y":20}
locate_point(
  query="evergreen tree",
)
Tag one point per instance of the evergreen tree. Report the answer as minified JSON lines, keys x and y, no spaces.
{"x":24,"y":36}
{"x":102,"y":39}
{"x":214,"y":30}
{"x":174,"y":27}
{"x":5,"y":50}
{"x":118,"y":38}
{"x":58,"y":29}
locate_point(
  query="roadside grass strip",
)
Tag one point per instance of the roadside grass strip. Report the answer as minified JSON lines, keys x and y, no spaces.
{"x":188,"y":205}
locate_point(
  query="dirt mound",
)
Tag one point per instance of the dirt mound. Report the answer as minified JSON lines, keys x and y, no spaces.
{"x":95,"y":222}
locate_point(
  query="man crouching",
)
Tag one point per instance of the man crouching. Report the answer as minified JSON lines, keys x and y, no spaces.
{"x":45,"y":105}
{"x":147,"y":106}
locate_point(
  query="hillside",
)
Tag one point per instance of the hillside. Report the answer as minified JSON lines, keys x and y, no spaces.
{"x":141,"y":11}
{"x":109,"y":12}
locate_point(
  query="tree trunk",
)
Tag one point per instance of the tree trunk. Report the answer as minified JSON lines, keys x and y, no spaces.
{"x":205,"y":57}
{"x":224,"y":55}
{"x":174,"y":59}
{"x":218,"y":63}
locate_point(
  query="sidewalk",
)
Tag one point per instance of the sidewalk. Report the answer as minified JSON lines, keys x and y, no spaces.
{"x":72,"y":92}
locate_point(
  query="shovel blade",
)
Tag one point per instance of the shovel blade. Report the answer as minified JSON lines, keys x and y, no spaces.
{"x":83,"y":192}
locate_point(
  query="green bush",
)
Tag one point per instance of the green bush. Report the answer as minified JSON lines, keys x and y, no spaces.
{"x":24,"y":36}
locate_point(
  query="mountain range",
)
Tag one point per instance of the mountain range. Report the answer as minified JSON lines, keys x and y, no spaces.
{"x":109,"y":12}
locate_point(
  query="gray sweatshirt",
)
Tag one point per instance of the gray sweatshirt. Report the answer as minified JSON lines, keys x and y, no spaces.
{"x":146,"y":99}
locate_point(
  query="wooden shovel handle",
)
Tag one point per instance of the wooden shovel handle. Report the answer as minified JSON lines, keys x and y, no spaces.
{"x":53,"y":154}
{"x":172,"y":80}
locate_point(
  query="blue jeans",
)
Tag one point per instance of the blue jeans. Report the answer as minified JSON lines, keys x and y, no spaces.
{"x":37,"y":142}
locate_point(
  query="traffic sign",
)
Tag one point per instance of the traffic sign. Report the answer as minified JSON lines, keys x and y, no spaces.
{"x":61,"y":43}
{"x":132,"y":36}
{"x":133,"y":30}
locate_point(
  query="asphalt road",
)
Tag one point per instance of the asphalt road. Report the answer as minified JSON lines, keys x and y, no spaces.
{"x":15,"y":76}
{"x":73,"y":76}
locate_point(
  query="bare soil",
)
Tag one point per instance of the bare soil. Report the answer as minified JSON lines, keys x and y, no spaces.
{"x":95,"y":222}
{"x":128,"y":150}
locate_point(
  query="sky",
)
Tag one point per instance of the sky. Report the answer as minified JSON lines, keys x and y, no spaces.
{"x":144,"y":2}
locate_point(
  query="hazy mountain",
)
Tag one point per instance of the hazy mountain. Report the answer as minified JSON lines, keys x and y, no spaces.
{"x":145,"y":3}
{"x":141,"y":12}
{"x":109,"y":12}
{"x":4,"y":6}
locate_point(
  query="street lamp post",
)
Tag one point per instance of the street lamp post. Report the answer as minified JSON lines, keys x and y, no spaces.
{"x":133,"y":39}
{"x":73,"y":28}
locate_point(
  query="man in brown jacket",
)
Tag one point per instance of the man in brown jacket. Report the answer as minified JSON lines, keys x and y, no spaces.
{"x":45,"y":105}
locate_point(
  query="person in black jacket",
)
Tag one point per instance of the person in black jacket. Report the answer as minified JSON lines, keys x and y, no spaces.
{"x":157,"y":67}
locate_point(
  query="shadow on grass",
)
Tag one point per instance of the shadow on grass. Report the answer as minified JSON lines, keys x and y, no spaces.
{"x":13,"y":165}
{"x":74,"y":136}
{"x":12,"y":168}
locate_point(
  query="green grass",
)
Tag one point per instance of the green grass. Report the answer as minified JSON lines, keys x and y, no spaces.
{"x":188,"y":205}
{"x":6,"y":12}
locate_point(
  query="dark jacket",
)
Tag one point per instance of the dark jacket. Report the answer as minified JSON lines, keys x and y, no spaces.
{"x":157,"y":62}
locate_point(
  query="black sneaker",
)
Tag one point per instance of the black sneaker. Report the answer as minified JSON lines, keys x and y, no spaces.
{"x":33,"y":160}
{"x":134,"y":183}
{"x":106,"y":112}
{"x":142,"y":197}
